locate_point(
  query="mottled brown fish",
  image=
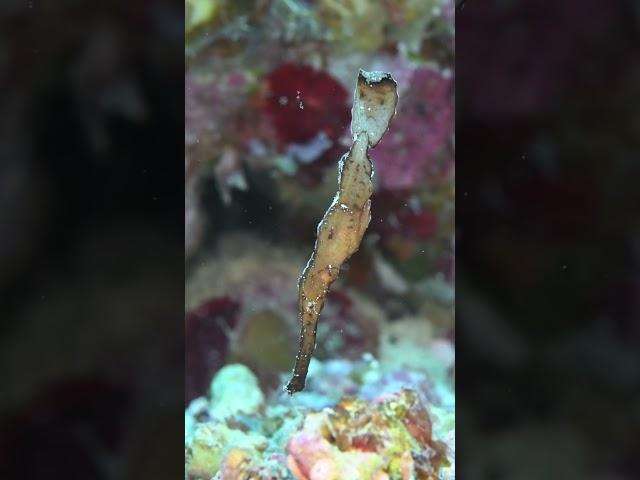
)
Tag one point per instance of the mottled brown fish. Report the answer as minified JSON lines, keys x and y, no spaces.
{"x":341,"y":229}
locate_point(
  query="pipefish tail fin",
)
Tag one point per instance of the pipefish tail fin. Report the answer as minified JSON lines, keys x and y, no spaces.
{"x":343,"y":226}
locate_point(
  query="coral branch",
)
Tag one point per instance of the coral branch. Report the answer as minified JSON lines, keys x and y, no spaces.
{"x":341,"y":229}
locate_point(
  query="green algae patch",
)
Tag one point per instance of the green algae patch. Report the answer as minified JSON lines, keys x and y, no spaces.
{"x":211,"y":444}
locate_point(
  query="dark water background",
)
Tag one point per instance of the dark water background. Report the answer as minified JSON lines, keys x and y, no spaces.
{"x":548,"y":239}
{"x":91,"y":242}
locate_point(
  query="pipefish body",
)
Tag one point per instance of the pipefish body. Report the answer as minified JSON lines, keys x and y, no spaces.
{"x":340,"y":231}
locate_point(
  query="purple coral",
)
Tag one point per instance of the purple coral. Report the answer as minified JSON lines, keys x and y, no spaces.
{"x":409,"y":152}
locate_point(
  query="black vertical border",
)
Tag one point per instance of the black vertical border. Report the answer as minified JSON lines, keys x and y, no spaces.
{"x":548,"y":235}
{"x":92,"y":249}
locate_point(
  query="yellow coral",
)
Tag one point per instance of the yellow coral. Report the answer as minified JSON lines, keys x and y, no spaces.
{"x":199,"y":12}
{"x":358,"y":23}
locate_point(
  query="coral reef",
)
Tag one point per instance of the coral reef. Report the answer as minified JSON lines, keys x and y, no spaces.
{"x":388,"y":438}
{"x":267,"y":113}
{"x":352,"y":422}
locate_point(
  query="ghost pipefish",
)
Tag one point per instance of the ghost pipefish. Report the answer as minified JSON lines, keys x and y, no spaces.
{"x":340,"y":231}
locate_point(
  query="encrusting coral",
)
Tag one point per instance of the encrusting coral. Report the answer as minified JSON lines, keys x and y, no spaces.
{"x":390,"y":438}
{"x":389,"y":427}
{"x":342,"y":228}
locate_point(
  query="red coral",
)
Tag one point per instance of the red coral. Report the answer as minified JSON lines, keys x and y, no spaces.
{"x":303,"y":102}
{"x":206,"y":342}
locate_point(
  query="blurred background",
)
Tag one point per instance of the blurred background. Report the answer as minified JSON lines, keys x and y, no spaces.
{"x":548,"y":239}
{"x":268,"y":95}
{"x":91,"y":245}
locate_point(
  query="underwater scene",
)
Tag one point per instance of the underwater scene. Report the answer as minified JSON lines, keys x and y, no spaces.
{"x":319,"y":239}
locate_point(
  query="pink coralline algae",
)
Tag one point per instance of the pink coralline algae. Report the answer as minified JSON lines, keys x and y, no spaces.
{"x":200,"y":121}
{"x":303,"y":103}
{"x":409,"y":153}
{"x":212,"y":106}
